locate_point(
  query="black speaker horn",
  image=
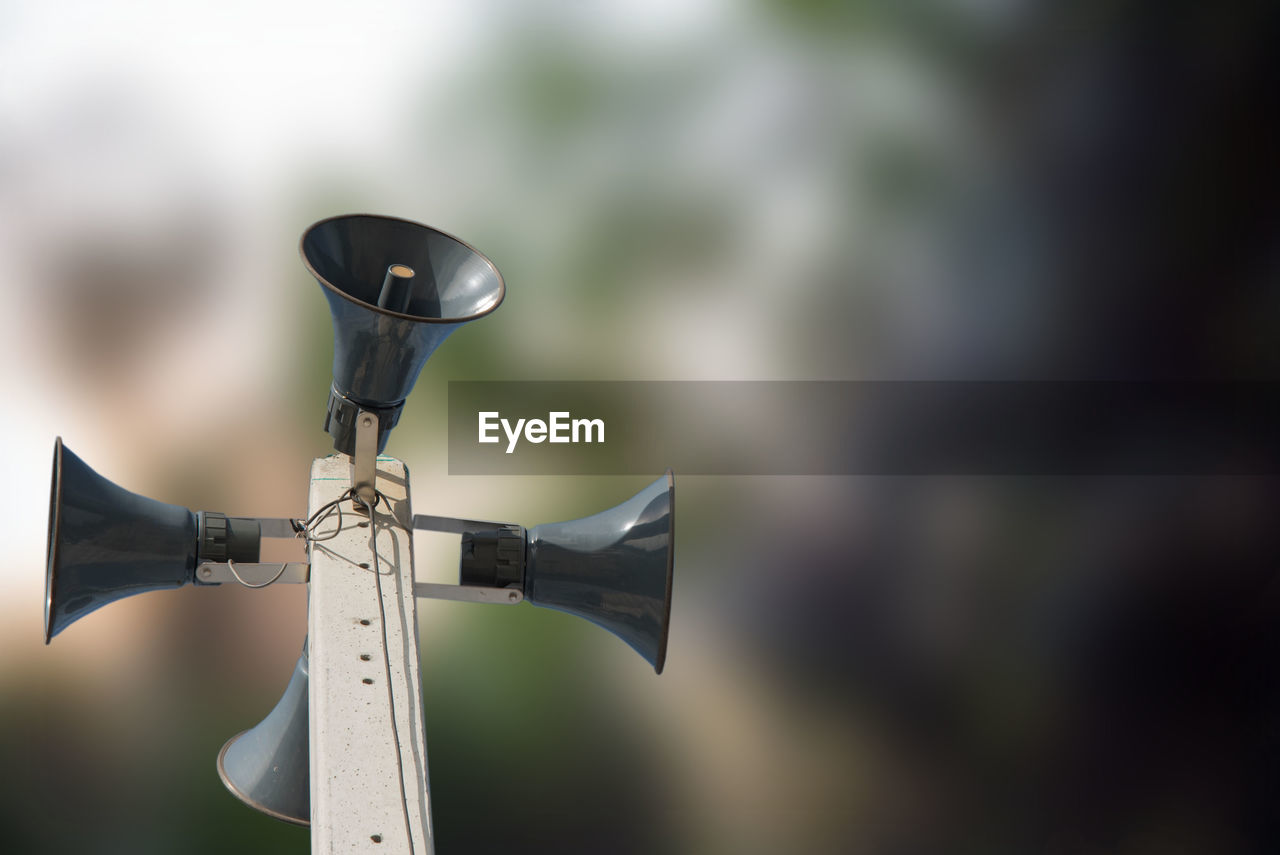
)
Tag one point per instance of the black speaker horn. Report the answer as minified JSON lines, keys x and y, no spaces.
{"x":613,"y":568}
{"x":106,"y":543}
{"x":268,"y":767}
{"x":396,"y":290}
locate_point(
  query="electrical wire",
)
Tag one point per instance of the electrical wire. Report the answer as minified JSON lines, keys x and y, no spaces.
{"x":231,"y":565}
{"x":386,"y":661}
{"x":322,"y":513}
{"x":303,"y":529}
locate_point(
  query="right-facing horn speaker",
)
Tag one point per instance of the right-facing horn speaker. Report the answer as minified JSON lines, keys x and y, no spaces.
{"x":613,"y":568}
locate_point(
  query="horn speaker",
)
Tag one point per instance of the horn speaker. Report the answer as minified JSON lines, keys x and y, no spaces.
{"x":268,"y":767}
{"x":106,"y":543}
{"x":396,"y":290}
{"x":613,"y":568}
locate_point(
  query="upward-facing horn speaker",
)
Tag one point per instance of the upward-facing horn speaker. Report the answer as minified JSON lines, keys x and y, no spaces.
{"x":613,"y":568}
{"x":396,"y":290}
{"x":268,"y":767}
{"x":106,"y":543}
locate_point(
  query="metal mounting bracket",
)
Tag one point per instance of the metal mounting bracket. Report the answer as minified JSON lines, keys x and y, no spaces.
{"x":291,"y":572}
{"x":463,"y":593}
{"x":364,"y":470}
{"x":273,"y":526}
{"x":453,"y":525}
{"x":468,"y":593}
{"x":258,"y":574}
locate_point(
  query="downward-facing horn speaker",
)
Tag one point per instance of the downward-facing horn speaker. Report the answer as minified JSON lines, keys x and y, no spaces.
{"x":106,"y":543}
{"x":396,"y":290}
{"x":268,"y":767}
{"x":613,"y":568}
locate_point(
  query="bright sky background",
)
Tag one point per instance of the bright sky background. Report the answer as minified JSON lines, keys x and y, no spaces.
{"x":116,"y":118}
{"x":253,"y":80}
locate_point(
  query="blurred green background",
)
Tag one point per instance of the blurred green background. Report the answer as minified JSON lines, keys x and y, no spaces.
{"x":990,"y":189}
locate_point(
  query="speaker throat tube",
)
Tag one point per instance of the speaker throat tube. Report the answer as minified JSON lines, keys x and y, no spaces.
{"x":397,"y":288}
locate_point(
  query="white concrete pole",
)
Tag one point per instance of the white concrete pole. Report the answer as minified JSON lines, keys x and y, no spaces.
{"x":369,"y":785}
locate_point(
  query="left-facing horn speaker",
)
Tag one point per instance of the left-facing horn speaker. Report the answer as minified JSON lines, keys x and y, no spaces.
{"x":268,"y":767}
{"x":106,"y":543}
